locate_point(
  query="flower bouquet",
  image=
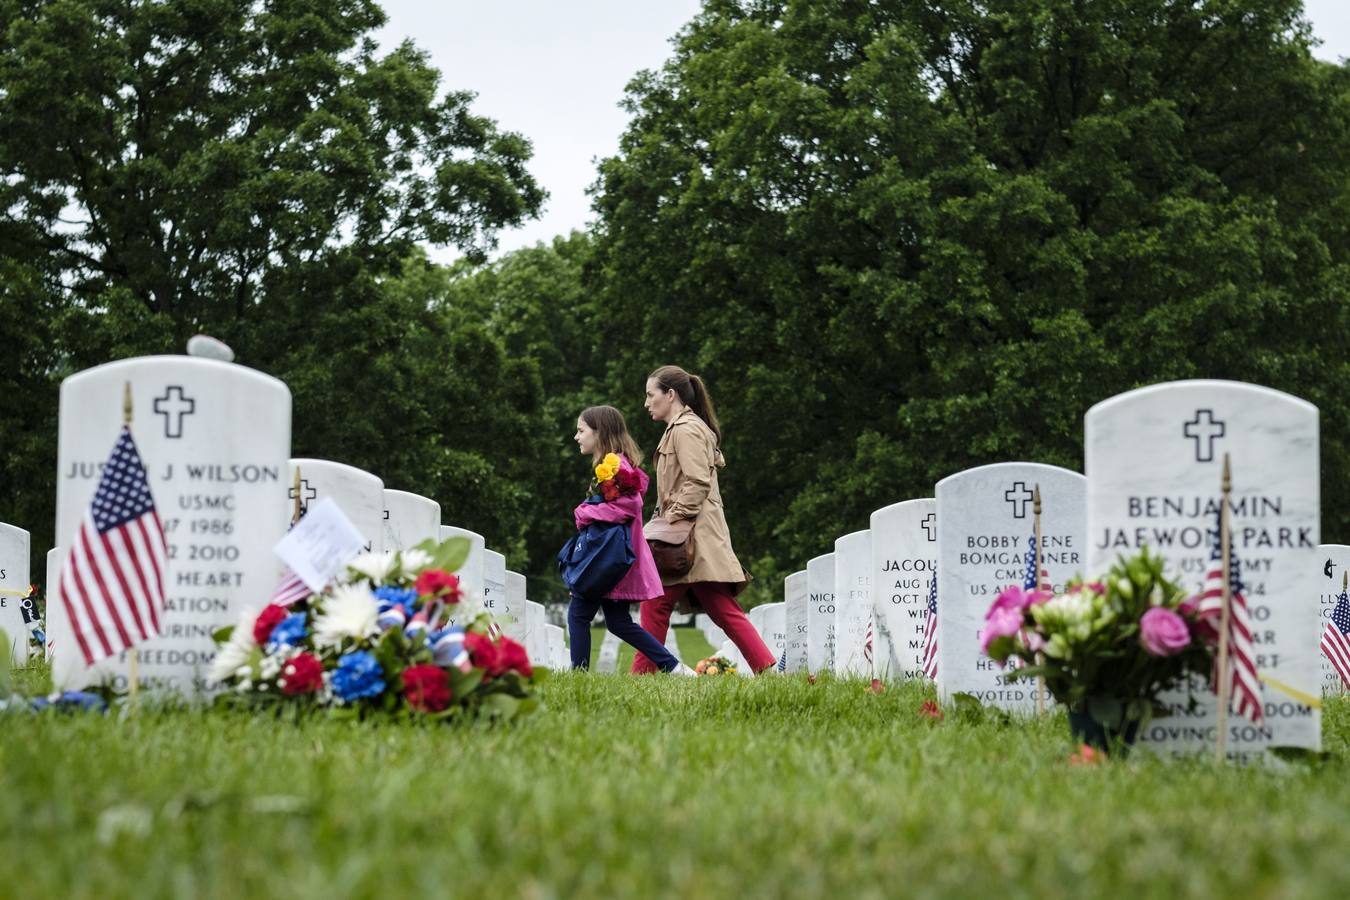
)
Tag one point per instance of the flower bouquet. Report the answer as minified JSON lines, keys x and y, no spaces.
{"x":390,"y":636}
{"x":715,"y":665}
{"x":1106,"y":649}
{"x":612,"y":481}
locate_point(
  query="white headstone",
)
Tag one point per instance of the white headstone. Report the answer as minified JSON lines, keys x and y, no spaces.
{"x":1154,"y":464}
{"x":985,"y":525}
{"x":494,"y":582}
{"x":214,"y":437}
{"x":711,"y":631}
{"x":853,"y":605}
{"x":795,"y":606}
{"x":608,"y":659}
{"x":14,"y":583}
{"x":773,"y":628}
{"x":536,"y":642}
{"x":471,"y":574}
{"x":410,"y":519}
{"x":556,"y":645}
{"x":820,"y":614}
{"x":512,"y":616}
{"x":359,"y":494}
{"x":207,"y":347}
{"x":904,"y":560}
{"x":1333,"y":561}
{"x":673,"y":643}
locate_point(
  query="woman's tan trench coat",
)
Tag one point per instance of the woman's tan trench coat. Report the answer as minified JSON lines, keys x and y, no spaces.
{"x":687,"y":460}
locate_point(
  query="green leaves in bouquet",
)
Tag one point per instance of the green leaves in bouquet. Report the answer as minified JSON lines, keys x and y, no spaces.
{"x":449,"y":554}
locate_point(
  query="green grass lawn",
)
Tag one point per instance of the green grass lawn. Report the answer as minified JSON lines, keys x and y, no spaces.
{"x":650,"y":787}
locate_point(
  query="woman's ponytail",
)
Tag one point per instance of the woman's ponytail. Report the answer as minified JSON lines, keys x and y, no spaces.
{"x":693,"y":393}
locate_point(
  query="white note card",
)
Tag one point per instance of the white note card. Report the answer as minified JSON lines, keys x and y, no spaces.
{"x":320,"y":544}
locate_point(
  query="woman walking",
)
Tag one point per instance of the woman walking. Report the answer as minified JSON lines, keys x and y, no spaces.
{"x":601,"y":431}
{"x":687,"y":460}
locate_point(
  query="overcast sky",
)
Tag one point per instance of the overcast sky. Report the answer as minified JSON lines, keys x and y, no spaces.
{"x":555,"y":72}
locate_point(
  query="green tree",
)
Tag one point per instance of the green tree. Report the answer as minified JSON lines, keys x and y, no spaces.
{"x":256,"y":170}
{"x":902,"y":239}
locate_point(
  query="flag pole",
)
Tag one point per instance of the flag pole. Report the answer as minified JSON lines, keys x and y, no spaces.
{"x":133,"y":655}
{"x":1036,"y":514}
{"x":295,"y":507}
{"x":1226,"y":615}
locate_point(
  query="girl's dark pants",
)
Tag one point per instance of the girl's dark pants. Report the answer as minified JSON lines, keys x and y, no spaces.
{"x":620,"y":624}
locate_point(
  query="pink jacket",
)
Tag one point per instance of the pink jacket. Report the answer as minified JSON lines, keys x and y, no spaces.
{"x":642,"y":581}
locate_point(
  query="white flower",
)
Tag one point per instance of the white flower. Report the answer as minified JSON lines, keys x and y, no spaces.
{"x":349,"y":613}
{"x":375,"y":566}
{"x":236,"y":651}
{"x":414,"y":560}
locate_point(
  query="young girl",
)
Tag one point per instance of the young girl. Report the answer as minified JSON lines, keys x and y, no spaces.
{"x":687,"y":461}
{"x":601,"y":430}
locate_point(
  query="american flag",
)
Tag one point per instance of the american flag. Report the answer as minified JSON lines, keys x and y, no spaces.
{"x":867,"y":641}
{"x":930,"y":631}
{"x":112,"y":580}
{"x":1029,"y":582}
{"x":1245,"y":690}
{"x":1336,"y":639}
{"x":291,"y":589}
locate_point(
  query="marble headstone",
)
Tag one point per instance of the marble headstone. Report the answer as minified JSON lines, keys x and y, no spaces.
{"x":853,"y":605}
{"x":14,"y":582}
{"x":410,"y":519}
{"x":985,"y":522}
{"x":557,"y":647}
{"x":536,"y":641}
{"x":471,"y":574}
{"x":512,"y":616}
{"x":773,"y":628}
{"x":673,"y":643}
{"x":904,"y":559}
{"x":214,"y":438}
{"x":1154,"y":464}
{"x":795,"y":606}
{"x":494,"y":583}
{"x":359,"y":494}
{"x":1333,"y":561}
{"x":608,"y":659}
{"x":820,"y":614}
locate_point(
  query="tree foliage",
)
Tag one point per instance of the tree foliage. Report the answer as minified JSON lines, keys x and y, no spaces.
{"x":902,"y":239}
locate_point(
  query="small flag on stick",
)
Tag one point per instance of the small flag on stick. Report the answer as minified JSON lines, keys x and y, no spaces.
{"x":1335,"y":642}
{"x":112,"y":580}
{"x":930,"y":631}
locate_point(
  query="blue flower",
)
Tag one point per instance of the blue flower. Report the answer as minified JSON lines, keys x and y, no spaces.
{"x":289,"y":631}
{"x":71,"y":700}
{"x":388,"y":595}
{"x":357,"y":675}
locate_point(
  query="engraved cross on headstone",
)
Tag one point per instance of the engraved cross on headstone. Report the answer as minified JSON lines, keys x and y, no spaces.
{"x":1204,"y":430}
{"x":1019,"y":500}
{"x":174,"y":406}
{"x":307,"y":494}
{"x":929,"y":524}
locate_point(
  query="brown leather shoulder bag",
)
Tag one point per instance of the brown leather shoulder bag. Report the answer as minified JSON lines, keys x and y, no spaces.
{"x":672,"y":545}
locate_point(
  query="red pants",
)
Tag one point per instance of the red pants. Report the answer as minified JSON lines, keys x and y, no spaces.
{"x":720,"y":605}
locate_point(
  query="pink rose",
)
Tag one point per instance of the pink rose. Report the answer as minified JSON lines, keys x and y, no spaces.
{"x":1000,"y":623}
{"x":1163,"y":633}
{"x":1014,"y":598}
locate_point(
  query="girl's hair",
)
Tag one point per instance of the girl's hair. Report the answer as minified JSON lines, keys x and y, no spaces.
{"x":611,"y":432}
{"x":692,"y":392}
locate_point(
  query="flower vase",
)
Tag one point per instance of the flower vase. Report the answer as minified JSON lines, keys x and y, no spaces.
{"x":1106,"y":723}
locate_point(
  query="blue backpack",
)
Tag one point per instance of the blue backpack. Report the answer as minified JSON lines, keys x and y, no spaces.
{"x":596,"y":558}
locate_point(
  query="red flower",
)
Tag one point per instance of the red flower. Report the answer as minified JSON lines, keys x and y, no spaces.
{"x":512,"y":656}
{"x":302,"y":674}
{"x":426,"y":687}
{"x":439,"y":583}
{"x":1087,"y":756}
{"x":483,"y":653}
{"x":931,"y":710}
{"x":267,"y":620}
{"x":628,"y":481}
{"x":609,"y":490}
